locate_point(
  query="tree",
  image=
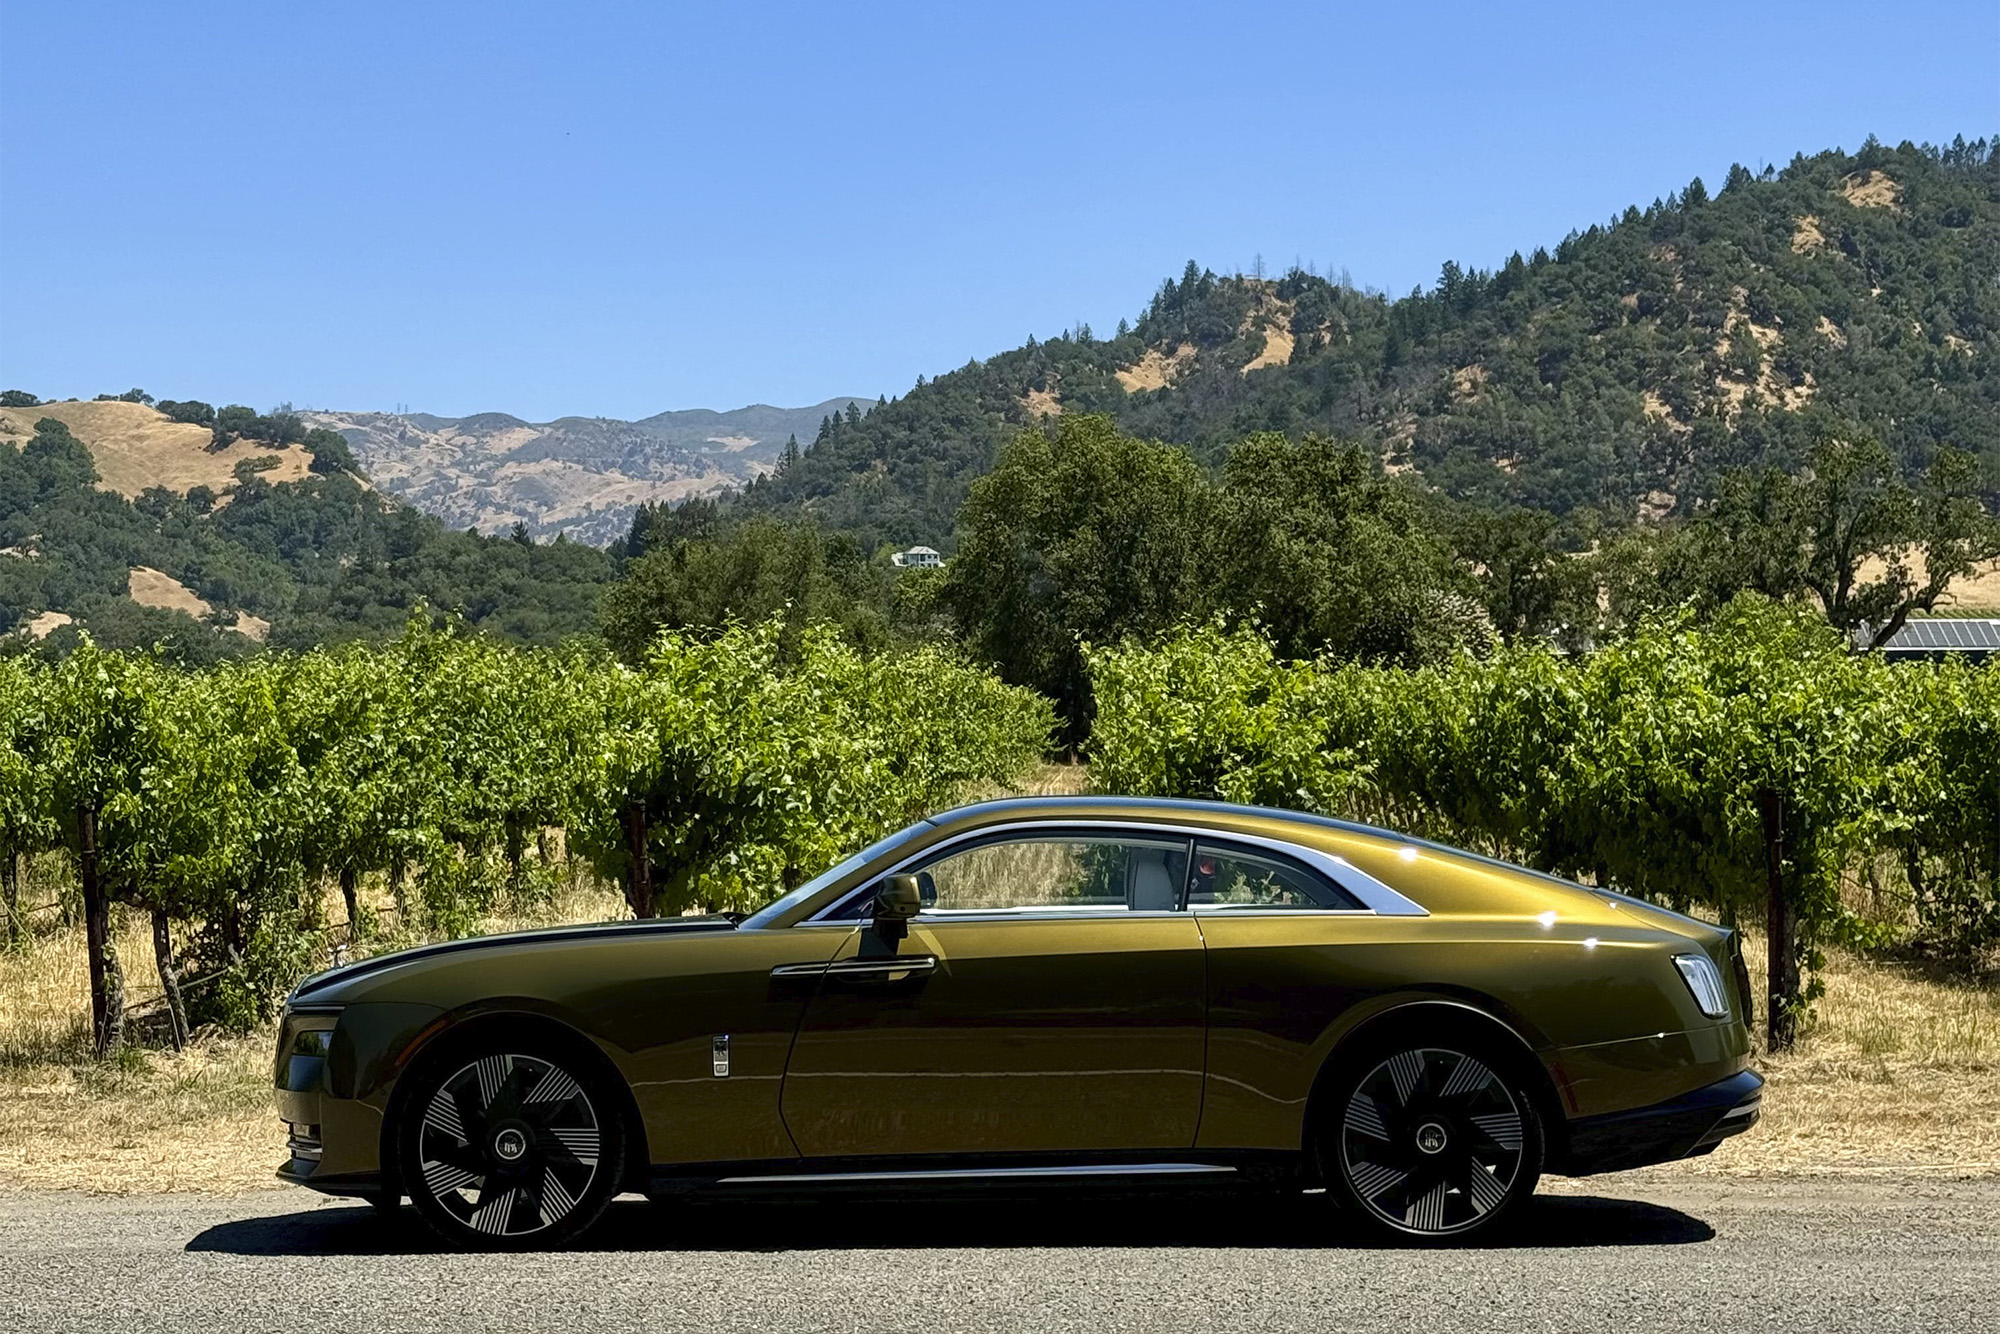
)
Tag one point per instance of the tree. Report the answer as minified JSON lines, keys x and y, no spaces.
{"x":330,"y":452}
{"x":1333,"y":557}
{"x":1086,"y":536}
{"x":1869,"y":547}
{"x":18,"y":398}
{"x":758,"y":570}
{"x":1529,"y":585}
{"x":192,"y":411}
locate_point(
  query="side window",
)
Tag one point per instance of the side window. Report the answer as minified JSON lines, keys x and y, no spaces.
{"x":1057,"y":872}
{"x":1227,"y":877}
{"x":1052,"y":872}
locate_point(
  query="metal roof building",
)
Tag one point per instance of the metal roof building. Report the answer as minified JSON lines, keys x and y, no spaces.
{"x":1943,"y":637}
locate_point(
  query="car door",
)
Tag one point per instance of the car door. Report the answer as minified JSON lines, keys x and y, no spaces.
{"x":1049,"y":998}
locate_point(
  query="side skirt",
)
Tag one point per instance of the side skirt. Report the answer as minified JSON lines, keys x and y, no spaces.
{"x":770,"y":1179}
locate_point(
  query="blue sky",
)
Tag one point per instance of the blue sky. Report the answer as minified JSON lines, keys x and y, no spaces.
{"x":615,"y":209}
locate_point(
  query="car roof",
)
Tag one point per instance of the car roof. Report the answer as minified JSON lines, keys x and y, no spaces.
{"x":1217,"y":814}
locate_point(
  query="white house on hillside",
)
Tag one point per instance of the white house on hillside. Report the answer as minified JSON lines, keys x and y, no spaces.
{"x":920,"y":558}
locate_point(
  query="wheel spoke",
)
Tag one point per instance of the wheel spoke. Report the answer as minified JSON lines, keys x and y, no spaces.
{"x":1405,"y":1069}
{"x":578,"y":1145}
{"x":1427,"y":1211}
{"x":442,"y":1115}
{"x":1469,"y":1077}
{"x":554,"y":1200}
{"x":490,"y":1215}
{"x":1484,"y":1189}
{"x":1364,"y":1117}
{"x":1373,"y":1179}
{"x":455,"y":1154}
{"x":555,"y":1086}
{"x":491,"y":1072}
{"x":441,"y":1178}
{"x":1503,"y":1128}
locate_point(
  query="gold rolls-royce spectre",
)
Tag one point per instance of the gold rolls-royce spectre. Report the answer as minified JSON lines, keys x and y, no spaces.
{"x":1045,"y":989}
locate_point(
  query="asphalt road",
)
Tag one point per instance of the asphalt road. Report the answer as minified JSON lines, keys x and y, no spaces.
{"x":1622,"y":1253}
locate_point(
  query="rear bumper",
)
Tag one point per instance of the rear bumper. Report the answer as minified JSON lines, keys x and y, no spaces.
{"x":1683,"y":1127}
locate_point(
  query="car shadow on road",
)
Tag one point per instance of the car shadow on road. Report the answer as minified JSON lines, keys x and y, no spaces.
{"x":1050,"y":1220}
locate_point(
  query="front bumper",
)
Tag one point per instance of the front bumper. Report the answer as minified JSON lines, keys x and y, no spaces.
{"x":1683,"y":1127}
{"x":300,"y":1172}
{"x":333,"y":1105}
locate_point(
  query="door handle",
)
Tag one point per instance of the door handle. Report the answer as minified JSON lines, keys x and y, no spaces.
{"x":895,"y":969}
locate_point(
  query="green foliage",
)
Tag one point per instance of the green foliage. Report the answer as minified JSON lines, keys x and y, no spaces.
{"x":18,"y":398}
{"x":1867,"y":546}
{"x":1332,"y":557}
{"x":755,"y":571}
{"x":757,"y":761}
{"x":193,"y":411}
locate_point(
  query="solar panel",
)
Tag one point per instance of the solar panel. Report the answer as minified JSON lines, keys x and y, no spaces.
{"x":1947,"y":635}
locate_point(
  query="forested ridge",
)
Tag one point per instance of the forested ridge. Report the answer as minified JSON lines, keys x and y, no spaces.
{"x":1622,"y":370}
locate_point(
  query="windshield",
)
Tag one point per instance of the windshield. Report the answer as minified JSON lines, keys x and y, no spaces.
{"x":770,"y":912}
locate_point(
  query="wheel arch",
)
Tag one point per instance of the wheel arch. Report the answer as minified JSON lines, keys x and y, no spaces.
{"x":498,"y":1026}
{"x":1432,"y":1016}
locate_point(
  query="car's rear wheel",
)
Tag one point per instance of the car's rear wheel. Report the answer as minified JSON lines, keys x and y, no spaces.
{"x":509,"y":1147}
{"x":1430,"y":1139}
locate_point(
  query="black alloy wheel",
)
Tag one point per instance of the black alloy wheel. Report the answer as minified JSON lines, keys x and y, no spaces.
{"x":510,"y":1149}
{"x":1434,"y":1142}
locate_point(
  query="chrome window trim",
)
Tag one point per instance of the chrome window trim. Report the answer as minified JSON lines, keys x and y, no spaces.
{"x":1377,"y":898}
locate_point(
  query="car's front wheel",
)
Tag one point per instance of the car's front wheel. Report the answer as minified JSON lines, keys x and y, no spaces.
{"x":1430,"y":1139}
{"x":505,"y":1147}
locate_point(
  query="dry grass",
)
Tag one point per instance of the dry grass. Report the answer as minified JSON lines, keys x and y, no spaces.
{"x":194,"y":1120}
{"x":1979,"y":590}
{"x":1156,"y":370}
{"x":1898,"y":1071}
{"x":154,"y":588}
{"x":1871,"y":189}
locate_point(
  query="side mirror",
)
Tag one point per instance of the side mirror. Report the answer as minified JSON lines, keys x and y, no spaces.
{"x":897,"y":899}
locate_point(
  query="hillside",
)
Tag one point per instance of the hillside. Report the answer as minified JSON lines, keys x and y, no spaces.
{"x":135,"y":446}
{"x":117,"y":519}
{"x":582,"y":476}
{"x":1620,"y":371}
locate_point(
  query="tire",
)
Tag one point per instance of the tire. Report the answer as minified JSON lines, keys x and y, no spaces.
{"x":510,"y":1147}
{"x":1430,"y":1139}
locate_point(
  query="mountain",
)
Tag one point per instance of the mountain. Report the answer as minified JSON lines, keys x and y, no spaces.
{"x":212,"y":535}
{"x":583,"y":476}
{"x":1620,"y":371}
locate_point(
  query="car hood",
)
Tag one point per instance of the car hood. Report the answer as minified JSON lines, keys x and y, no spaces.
{"x":320,"y":986}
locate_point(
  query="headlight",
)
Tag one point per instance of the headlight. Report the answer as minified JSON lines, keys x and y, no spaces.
{"x":1704,"y":980}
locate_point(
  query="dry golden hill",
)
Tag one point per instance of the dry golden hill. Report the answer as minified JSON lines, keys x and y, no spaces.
{"x":136,"y":447}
